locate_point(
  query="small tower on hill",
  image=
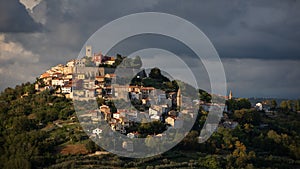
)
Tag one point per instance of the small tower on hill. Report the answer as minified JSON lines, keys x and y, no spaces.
{"x":179,"y":98}
{"x":230,"y":95}
{"x":88,"y":51}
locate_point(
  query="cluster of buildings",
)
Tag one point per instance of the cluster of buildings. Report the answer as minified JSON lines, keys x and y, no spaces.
{"x":90,"y":77}
{"x":78,"y":72}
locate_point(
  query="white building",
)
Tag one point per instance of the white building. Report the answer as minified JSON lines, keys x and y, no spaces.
{"x":66,"y":89}
{"x":153,"y":111}
{"x":259,"y":106}
{"x":57,"y":82}
{"x":155,"y":118}
{"x":97,"y":131}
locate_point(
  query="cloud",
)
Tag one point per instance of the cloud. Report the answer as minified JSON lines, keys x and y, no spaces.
{"x":259,"y":31}
{"x":18,"y":65}
{"x":30,"y":4}
{"x":263,"y":78}
{"x":15,"y":18}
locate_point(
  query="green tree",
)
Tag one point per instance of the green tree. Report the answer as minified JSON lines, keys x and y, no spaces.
{"x":243,"y":104}
{"x":210,"y":161}
{"x":231,"y":105}
{"x":190,"y":141}
{"x":204,"y":96}
{"x":247,"y":116}
{"x":297,"y":105}
{"x":273,"y":104}
{"x":240,"y":155}
{"x":286,"y":105}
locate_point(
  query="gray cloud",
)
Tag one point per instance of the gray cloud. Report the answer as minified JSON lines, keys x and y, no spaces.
{"x":15,"y":18}
{"x":257,"y":30}
{"x":263,"y":78}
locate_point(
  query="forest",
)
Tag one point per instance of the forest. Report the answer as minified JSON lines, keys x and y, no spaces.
{"x":41,"y":130}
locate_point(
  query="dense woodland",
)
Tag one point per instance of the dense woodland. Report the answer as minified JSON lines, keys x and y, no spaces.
{"x":40,"y":130}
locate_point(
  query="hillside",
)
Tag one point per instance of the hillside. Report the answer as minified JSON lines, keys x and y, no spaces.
{"x":40,"y":130}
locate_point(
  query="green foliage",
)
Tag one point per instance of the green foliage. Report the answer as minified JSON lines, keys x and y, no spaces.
{"x":273,"y":104}
{"x":239,"y":157}
{"x":190,"y":141}
{"x":247,"y":116}
{"x":211,"y":162}
{"x":239,"y":104}
{"x":151,"y":128}
{"x":204,"y":96}
{"x":30,"y":139}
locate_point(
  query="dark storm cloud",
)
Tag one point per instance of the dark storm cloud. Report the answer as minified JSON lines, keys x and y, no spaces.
{"x":263,"y":78}
{"x":245,"y":29}
{"x":239,"y":29}
{"x":262,"y":31}
{"x":15,"y":18}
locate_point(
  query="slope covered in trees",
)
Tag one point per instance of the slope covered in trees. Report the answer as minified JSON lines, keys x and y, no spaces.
{"x":38,"y":129}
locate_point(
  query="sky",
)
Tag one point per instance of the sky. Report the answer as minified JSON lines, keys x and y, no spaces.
{"x":258,"y":41}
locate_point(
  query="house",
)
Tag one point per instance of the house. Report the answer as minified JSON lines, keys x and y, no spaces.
{"x":66,"y":88}
{"x":147,"y":91}
{"x":128,"y":145}
{"x":132,"y":135}
{"x":116,"y":115}
{"x":89,"y":84}
{"x":96,"y":117}
{"x":89,"y":72}
{"x":170,"y":121}
{"x":68,"y":76}
{"x":259,"y":106}
{"x":97,"y":59}
{"x":110,"y":76}
{"x":125,"y":122}
{"x":90,"y":93}
{"x":80,"y":76}
{"x":120,"y":92}
{"x":135,"y":95}
{"x":57,"y":75}
{"x":67,"y":70}
{"x":115,"y":126}
{"x":100,"y":79}
{"x":111,"y":61}
{"x":155,"y":118}
{"x":153,"y":111}
{"x":106,"y":110}
{"x":97,"y":131}
{"x":71,"y":63}
{"x":80,"y":63}
{"x":45,"y":75}
{"x":57,"y":82}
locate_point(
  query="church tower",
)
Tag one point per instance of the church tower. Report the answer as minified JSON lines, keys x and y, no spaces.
{"x":230,"y":95}
{"x":88,"y":51}
{"x":179,"y":98}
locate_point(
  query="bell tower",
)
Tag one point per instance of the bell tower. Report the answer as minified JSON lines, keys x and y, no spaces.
{"x":88,"y":51}
{"x":230,"y":95}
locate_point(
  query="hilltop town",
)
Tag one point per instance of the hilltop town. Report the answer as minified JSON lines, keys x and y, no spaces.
{"x":153,"y":97}
{"x":258,"y":133}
